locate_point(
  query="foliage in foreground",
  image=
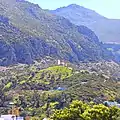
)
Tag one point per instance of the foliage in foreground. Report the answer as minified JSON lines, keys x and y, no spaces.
{"x":78,"y":110}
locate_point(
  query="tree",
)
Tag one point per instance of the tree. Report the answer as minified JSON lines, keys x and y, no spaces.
{"x":78,"y":110}
{"x":72,"y":112}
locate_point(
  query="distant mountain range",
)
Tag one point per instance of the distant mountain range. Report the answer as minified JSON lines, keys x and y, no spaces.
{"x":28,"y":32}
{"x":108,"y":30}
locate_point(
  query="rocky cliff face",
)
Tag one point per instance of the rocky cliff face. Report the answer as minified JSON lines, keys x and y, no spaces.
{"x":27,"y":33}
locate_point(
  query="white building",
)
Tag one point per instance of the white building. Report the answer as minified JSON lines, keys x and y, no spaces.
{"x":59,"y":62}
{"x":8,"y":117}
{"x":62,"y":62}
{"x":1,"y":118}
{"x":45,"y":119}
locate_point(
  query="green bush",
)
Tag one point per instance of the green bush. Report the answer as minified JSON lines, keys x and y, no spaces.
{"x":79,"y":110}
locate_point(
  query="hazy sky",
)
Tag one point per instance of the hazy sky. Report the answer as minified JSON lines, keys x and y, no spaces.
{"x":107,"y":8}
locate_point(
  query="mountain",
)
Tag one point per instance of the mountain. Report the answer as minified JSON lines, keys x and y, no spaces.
{"x":108,"y":30}
{"x":28,"y":32}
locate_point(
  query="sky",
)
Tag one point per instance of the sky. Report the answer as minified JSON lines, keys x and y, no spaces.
{"x":107,"y":8}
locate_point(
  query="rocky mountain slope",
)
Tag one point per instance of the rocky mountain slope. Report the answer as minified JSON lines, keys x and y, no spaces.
{"x":108,"y":30}
{"x":27,"y":33}
{"x":115,"y":49}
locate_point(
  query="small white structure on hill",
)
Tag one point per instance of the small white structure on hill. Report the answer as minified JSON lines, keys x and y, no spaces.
{"x":59,"y":62}
{"x":62,"y":62}
{"x":45,"y":119}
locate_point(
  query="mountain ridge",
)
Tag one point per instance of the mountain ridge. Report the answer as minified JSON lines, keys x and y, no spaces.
{"x":102,"y":26}
{"x":32,"y":33}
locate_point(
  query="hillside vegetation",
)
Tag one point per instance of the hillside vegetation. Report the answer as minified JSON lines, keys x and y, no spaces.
{"x":39,"y":91}
{"x":81,"y":111}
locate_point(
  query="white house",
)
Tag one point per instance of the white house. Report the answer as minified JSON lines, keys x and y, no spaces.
{"x":19,"y":118}
{"x":1,"y":118}
{"x":8,"y":117}
{"x":45,"y":119}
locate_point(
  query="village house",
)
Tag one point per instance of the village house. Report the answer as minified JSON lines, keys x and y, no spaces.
{"x":111,"y":103}
{"x":8,"y":117}
{"x":3,"y":69}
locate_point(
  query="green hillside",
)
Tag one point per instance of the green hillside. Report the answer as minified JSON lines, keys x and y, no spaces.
{"x":38,"y":91}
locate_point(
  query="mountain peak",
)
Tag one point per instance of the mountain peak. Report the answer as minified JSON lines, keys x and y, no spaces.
{"x":73,"y":5}
{"x":78,"y":10}
{"x":78,"y":15}
{"x":20,"y":0}
{"x":102,"y":26}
